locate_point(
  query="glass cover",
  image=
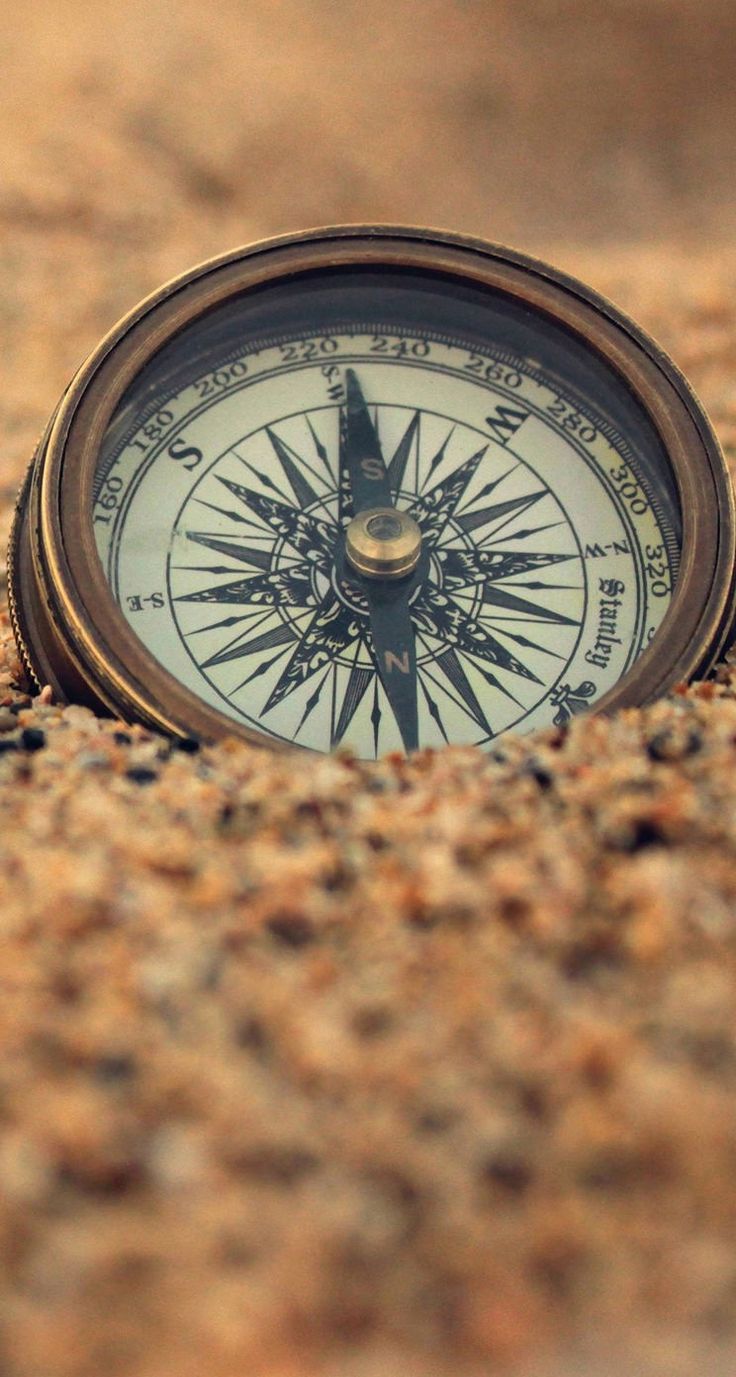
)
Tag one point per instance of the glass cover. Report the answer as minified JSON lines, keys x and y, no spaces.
{"x":549,"y":518}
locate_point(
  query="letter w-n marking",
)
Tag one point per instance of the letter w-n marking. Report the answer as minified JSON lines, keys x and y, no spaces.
{"x":505,"y":422}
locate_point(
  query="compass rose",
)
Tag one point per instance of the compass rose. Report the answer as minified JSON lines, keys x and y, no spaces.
{"x":474,"y":621}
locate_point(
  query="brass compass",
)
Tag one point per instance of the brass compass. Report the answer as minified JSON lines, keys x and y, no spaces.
{"x":372,"y":486}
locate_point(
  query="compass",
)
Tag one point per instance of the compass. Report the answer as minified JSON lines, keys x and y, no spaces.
{"x":372,"y":487}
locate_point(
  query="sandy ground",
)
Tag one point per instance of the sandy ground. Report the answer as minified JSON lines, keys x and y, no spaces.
{"x":277,"y":1095}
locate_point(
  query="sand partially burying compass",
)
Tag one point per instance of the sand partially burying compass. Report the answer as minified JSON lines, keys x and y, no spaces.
{"x":320,"y":1065}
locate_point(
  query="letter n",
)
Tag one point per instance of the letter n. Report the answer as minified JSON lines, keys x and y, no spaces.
{"x":392,"y":661}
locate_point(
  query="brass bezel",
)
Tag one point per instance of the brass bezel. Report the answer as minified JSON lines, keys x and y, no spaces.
{"x":75,"y":637}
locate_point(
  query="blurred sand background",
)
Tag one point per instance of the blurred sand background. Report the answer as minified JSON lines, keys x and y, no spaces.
{"x":135,"y":140}
{"x":138,"y":138}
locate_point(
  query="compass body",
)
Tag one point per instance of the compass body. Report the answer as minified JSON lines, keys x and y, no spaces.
{"x":378,"y":488}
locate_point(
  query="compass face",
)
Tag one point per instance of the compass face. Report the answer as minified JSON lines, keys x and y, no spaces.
{"x":547,"y":530}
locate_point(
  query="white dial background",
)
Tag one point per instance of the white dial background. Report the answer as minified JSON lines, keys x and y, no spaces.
{"x":219,"y":520}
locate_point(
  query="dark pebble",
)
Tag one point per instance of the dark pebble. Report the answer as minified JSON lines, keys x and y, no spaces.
{"x":141,"y":774}
{"x":610,"y":1170}
{"x":712,"y":1052}
{"x":536,"y":771}
{"x":644,"y":834}
{"x":372,"y":1022}
{"x":108,"y":1179}
{"x":597,"y":952}
{"x":338,"y":879}
{"x":20,"y":705}
{"x":251,"y":1034}
{"x":277,"y":1164}
{"x":394,"y":1185}
{"x":32,"y":739}
{"x":292,"y":929}
{"x":665,"y":746}
{"x":189,"y":744}
{"x":375,"y":784}
{"x":212,"y":970}
{"x":533,"y":1101}
{"x":115,"y":1068}
{"x":6,"y":745}
{"x":436,"y":1120}
{"x":238,"y":819}
{"x":509,"y":1171}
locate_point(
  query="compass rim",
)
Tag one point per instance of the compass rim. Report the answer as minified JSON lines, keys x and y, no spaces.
{"x":103,"y":648}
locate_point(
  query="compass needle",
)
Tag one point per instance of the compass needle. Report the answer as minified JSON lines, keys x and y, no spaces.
{"x":400,"y":459}
{"x":378,"y":489}
{"x":373,"y":535}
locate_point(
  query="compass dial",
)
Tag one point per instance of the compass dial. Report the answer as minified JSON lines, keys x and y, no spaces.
{"x":385,"y":499}
{"x":546,"y":565}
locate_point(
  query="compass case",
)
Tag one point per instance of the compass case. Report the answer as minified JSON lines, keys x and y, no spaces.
{"x":73,"y":635}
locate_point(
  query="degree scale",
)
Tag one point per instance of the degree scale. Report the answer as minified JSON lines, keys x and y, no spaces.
{"x":373,"y":487}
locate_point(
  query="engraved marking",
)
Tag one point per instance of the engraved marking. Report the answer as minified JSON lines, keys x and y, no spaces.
{"x":400,"y":662}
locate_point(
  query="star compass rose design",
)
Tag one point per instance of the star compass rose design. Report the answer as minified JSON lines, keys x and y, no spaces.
{"x":378,"y":576}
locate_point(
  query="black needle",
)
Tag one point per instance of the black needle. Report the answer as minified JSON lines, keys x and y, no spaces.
{"x":362,"y":453}
{"x":392,"y":629}
{"x":395,"y":650}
